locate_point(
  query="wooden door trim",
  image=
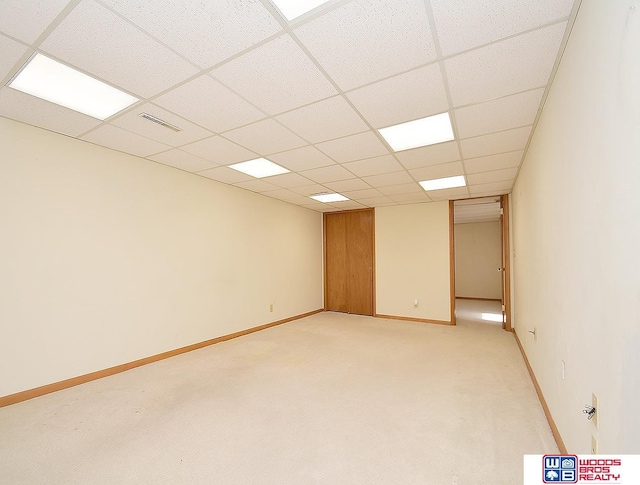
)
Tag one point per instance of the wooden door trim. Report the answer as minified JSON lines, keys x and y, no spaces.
{"x":324,"y":258}
{"x":373,"y":262}
{"x":507,"y":262}
{"x":503,"y":273}
{"x":452,"y":265}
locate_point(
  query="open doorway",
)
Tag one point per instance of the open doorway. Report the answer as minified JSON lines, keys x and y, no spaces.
{"x":480,"y":235}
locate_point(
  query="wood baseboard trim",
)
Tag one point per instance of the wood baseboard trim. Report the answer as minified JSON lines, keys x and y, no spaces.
{"x":411,"y":319}
{"x":547,"y":412}
{"x":477,"y":298}
{"x":75,"y":381}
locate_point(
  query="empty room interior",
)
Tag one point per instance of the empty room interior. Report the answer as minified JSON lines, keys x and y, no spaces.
{"x":351,"y":241}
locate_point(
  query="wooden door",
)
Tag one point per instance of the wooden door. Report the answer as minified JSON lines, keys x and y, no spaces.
{"x":360,"y":262}
{"x":349,"y":262}
{"x":336,"y":268}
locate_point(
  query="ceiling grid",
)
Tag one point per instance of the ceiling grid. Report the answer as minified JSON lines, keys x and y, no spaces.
{"x":311,"y":94}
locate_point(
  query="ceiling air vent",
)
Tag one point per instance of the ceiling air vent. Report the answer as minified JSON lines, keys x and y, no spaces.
{"x":160,"y":122}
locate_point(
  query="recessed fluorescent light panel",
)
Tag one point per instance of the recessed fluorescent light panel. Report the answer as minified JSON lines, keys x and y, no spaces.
{"x":445,"y":183}
{"x":292,"y":9}
{"x":52,"y":81}
{"x":259,"y":168}
{"x":419,"y":133}
{"x":329,"y":198}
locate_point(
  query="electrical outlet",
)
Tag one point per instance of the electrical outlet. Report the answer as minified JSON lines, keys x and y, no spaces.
{"x":594,"y":403}
{"x":271,"y":307}
{"x":564,"y":374}
{"x":594,"y":445}
{"x":415,"y":303}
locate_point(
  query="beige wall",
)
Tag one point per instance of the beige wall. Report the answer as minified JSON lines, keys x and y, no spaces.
{"x":576,"y":232}
{"x":478,"y":257}
{"x":106,"y":258}
{"x":412,"y":260}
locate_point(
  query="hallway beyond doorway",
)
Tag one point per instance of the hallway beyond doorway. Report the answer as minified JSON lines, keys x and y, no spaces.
{"x":479,"y":311}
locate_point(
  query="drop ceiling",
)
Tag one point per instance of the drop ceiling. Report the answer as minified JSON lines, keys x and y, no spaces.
{"x":310,"y":95}
{"x":481,"y":209}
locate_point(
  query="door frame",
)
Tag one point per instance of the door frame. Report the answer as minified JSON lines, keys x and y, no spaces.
{"x":506,"y":255}
{"x":452,"y":264}
{"x":373,"y":255}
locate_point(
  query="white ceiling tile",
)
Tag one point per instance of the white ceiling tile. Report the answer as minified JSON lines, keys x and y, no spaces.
{"x":347,"y":205}
{"x":430,"y":155}
{"x":463,"y":25}
{"x":219,"y":150}
{"x":326,"y":208}
{"x":394,"y":190}
{"x":504,"y":141}
{"x":499,"y":114}
{"x":26,"y":20}
{"x":309,"y":189}
{"x":206,"y":102}
{"x":256,"y":186}
{"x":448,"y":194}
{"x":307,"y":203}
{"x":361,"y":194}
{"x":187,"y":25}
{"x":125,"y":141}
{"x":304,"y":158}
{"x":284,"y":194}
{"x":116,"y":51}
{"x":493,"y":188}
{"x":10,"y":53}
{"x":510,"y":66}
{"x":277,"y":76}
{"x":265,"y":137}
{"x":354,"y":147}
{"x":183,"y":160}
{"x":493,"y":162}
{"x":132,"y":121}
{"x":491,"y":193}
{"x":318,"y":207}
{"x":331,"y":173}
{"x":373,"y":166}
{"x":377,"y":201}
{"x":226,"y":175}
{"x":438,"y":171}
{"x":367,"y":40}
{"x":38,"y":112}
{"x":288,"y":180}
{"x":508,"y":174}
{"x":350,"y":186}
{"x":411,"y":197}
{"x":324,"y":120}
{"x":386,"y":179}
{"x":406,"y":97}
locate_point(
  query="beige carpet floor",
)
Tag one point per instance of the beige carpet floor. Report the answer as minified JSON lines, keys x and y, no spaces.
{"x":331,"y":399}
